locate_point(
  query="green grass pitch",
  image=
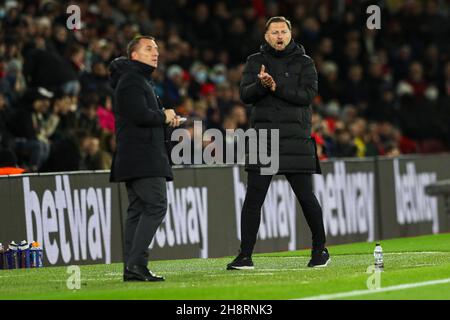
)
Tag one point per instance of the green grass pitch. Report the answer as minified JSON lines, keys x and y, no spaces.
{"x":413,"y":262}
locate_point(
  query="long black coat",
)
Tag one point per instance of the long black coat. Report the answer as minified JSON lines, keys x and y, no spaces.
{"x":288,"y":108}
{"x":141,"y":136}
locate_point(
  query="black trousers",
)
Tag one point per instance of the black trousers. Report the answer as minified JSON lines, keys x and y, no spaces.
{"x":257,"y":186}
{"x":147,"y":198}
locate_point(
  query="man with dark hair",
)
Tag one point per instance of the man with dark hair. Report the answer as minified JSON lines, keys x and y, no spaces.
{"x":280,"y":83}
{"x":134,"y":44}
{"x":141,"y":159}
{"x":278,"y":19}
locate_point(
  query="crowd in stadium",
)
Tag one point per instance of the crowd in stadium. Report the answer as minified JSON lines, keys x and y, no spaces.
{"x":381,"y":92}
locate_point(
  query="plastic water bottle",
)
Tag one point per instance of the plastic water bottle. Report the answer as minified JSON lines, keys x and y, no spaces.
{"x":12,"y":257}
{"x":378,"y":255}
{"x":24,"y":254}
{"x":36,"y":254}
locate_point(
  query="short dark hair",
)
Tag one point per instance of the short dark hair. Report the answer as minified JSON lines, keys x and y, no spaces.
{"x":133,"y":44}
{"x":278,"y":19}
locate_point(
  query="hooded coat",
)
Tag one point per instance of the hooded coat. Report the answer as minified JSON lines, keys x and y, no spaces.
{"x":140,"y":124}
{"x":288,"y":108}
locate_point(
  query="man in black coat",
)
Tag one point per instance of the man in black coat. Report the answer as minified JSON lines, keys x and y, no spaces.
{"x":141,"y":159}
{"x":280,"y":83}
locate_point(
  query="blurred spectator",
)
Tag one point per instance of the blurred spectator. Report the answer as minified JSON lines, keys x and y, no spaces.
{"x":33,"y":127}
{"x":239,"y":115}
{"x":96,"y":81}
{"x":320,"y":145}
{"x":391,"y":150}
{"x":343,"y":147}
{"x":92,"y":157}
{"x":416,"y":84}
{"x":175,"y":86}
{"x":237,"y":40}
{"x":105,"y":115}
{"x":87,"y":120}
{"x":356,"y":92}
{"x":358,"y":131}
{"x":202,"y":30}
{"x":329,"y":84}
{"x":225,"y":99}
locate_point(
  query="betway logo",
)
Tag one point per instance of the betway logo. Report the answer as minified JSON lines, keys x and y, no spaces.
{"x":87,"y":213}
{"x":186,"y":221}
{"x":413,"y":205}
{"x":278,"y":212}
{"x":347,"y":201}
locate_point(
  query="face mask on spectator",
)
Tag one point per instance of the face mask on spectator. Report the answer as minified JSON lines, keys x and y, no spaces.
{"x":218,"y":79}
{"x":201,"y":76}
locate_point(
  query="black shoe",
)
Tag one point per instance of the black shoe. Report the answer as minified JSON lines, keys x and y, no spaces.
{"x":319,"y":258}
{"x":241,"y":262}
{"x":128,"y":276}
{"x":140,"y":273}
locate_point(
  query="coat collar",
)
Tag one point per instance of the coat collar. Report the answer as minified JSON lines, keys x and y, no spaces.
{"x":291,"y":49}
{"x":122,"y":65}
{"x":143,"y":68}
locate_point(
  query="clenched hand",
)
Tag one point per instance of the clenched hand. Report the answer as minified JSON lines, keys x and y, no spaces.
{"x":266,"y":79}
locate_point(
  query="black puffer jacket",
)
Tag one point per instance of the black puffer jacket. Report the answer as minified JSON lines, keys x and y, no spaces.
{"x":141,"y":137}
{"x":288,"y":108}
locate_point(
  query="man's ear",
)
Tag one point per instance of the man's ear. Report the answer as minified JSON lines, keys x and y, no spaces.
{"x":266,"y":36}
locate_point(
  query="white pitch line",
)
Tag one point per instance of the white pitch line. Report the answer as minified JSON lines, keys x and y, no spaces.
{"x":368,"y":291}
{"x":88,"y":279}
{"x":14,"y":275}
{"x":282,"y":270}
{"x":416,"y":252}
{"x":245,"y":273}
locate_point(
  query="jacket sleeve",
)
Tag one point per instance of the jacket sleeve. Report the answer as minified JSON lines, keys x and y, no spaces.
{"x":251,"y":90}
{"x":301,"y":93}
{"x":132,"y":105}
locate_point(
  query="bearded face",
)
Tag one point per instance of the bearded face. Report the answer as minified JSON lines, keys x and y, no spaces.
{"x":278,"y":35}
